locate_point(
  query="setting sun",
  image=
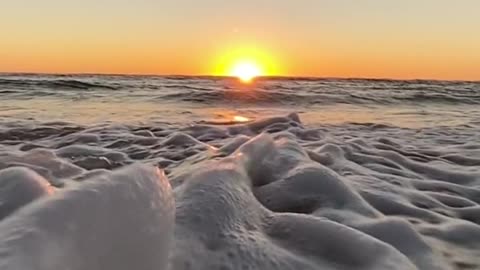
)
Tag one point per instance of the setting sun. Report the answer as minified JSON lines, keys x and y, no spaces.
{"x":246,"y":71}
{"x":246,"y":62}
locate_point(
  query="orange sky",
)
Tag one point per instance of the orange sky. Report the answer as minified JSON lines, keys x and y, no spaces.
{"x":435,"y":39}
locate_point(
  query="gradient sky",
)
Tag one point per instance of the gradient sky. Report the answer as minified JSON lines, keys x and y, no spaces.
{"x":437,"y":39}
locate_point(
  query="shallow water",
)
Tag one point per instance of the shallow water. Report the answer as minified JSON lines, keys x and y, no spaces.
{"x":90,"y":99}
{"x":368,"y":175}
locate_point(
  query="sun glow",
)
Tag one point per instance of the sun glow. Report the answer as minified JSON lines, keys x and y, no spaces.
{"x":246,"y":71}
{"x":245,"y":62}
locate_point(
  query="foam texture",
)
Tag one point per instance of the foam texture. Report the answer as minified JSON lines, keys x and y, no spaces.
{"x":270,"y":194}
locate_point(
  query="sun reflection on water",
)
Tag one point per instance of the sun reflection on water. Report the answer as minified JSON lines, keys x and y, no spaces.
{"x":240,"y":119}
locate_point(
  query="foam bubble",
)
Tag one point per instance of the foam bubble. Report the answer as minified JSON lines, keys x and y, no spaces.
{"x":267,"y":194}
{"x":122,"y":220}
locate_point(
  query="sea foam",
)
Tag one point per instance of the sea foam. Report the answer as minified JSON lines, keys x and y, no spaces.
{"x":270,"y":194}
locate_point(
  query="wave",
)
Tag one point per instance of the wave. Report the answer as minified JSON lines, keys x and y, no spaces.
{"x":302,"y":98}
{"x":54,"y":84}
{"x":281,"y":91}
{"x":233,"y":96}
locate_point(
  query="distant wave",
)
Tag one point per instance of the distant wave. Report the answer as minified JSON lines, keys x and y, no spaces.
{"x":279,"y":97}
{"x":233,"y":96}
{"x":54,"y":84}
{"x":274,"y":90}
{"x":79,"y":84}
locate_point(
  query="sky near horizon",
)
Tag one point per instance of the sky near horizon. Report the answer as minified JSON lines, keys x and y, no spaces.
{"x":437,"y":39}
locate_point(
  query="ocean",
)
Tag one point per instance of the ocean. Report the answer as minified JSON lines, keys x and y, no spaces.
{"x":91,"y":99}
{"x":181,"y":172}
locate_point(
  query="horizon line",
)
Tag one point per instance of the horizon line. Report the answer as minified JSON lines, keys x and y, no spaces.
{"x":304,"y":77}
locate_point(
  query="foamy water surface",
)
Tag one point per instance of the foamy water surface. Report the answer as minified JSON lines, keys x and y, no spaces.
{"x":279,"y":174}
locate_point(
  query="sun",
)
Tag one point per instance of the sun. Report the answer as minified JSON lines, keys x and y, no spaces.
{"x":245,"y":62}
{"x":246,"y":71}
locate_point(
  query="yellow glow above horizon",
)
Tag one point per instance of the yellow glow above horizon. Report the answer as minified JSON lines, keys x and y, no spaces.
{"x":246,"y":63}
{"x":246,"y":71}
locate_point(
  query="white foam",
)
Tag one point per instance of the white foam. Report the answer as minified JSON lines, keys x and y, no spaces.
{"x":123,"y":220}
{"x":270,"y":194}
